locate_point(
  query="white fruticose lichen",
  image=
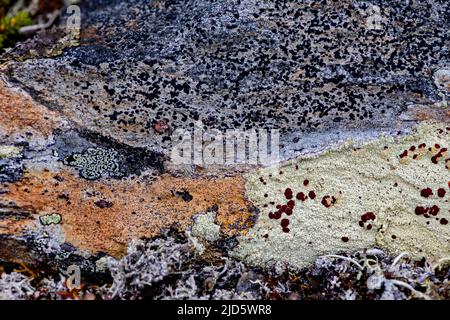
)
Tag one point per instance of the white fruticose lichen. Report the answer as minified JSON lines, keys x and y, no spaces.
{"x":364,"y":178}
{"x":15,"y":286}
{"x":148,"y":263}
{"x":205,"y":227}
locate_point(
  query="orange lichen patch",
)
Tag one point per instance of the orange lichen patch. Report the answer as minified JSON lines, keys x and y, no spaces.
{"x":104,"y":215}
{"x":19,"y":115}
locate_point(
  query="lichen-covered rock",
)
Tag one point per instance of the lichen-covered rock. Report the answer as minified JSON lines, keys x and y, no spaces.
{"x":392,"y":193}
{"x":336,"y":68}
{"x":86,"y":135}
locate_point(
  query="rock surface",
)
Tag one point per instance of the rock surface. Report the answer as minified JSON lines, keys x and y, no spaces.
{"x":86,"y":131}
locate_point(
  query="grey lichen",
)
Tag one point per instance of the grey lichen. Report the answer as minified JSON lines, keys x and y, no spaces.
{"x":15,"y":286}
{"x":95,"y":163}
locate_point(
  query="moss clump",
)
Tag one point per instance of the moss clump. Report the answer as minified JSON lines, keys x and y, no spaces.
{"x":9,"y":26}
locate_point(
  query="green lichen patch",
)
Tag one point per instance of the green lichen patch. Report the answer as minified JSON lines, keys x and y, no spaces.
{"x":354,"y":198}
{"x":7,"y":151}
{"x":205,"y":227}
{"x":50,"y":219}
{"x":95,"y":163}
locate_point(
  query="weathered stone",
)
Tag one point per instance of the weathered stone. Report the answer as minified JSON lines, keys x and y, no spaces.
{"x":85,"y":132}
{"x":141,"y":208}
{"x":340,"y":69}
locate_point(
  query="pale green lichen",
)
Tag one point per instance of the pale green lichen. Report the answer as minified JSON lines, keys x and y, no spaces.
{"x":9,"y":151}
{"x":367,"y":179}
{"x":50,"y":219}
{"x":95,"y":163}
{"x":205,"y":227}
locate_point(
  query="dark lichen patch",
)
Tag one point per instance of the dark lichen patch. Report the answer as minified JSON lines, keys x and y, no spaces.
{"x":96,"y":156}
{"x":280,"y":65}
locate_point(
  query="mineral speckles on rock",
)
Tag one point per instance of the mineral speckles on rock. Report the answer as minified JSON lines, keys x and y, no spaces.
{"x":144,"y":69}
{"x":375,"y":197}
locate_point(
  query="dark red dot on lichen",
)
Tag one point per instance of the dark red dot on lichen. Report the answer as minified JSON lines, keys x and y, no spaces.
{"x":419,"y":210}
{"x":288,"y":211}
{"x":435,"y":159}
{"x":288,"y":193}
{"x":301,"y":196}
{"x":413,"y":148}
{"x":266,"y":195}
{"x":426,"y":192}
{"x":291,"y":204}
{"x":444,"y":221}
{"x":404,"y":154}
{"x":285,"y":223}
{"x":369,"y":227}
{"x":434,"y":210}
{"x":306,"y":182}
{"x":441,"y":192}
{"x":286,"y":230}
{"x":326,"y":201}
{"x":437,"y":146}
{"x":368,"y":216}
{"x":422,"y":145}
{"x":394,"y":237}
{"x":312,"y":195}
{"x":345,"y":239}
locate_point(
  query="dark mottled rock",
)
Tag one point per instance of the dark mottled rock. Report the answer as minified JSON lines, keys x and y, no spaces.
{"x":317,"y":71}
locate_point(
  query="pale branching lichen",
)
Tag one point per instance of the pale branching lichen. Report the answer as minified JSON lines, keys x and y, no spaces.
{"x":96,"y":163}
{"x":15,"y":286}
{"x":146,"y":264}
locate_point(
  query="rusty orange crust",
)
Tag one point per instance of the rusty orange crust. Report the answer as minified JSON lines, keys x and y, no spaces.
{"x":129,"y":209}
{"x":19,"y":115}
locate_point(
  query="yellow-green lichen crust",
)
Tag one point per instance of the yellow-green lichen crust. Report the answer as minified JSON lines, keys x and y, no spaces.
{"x":372,"y":178}
{"x":205,"y":227}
